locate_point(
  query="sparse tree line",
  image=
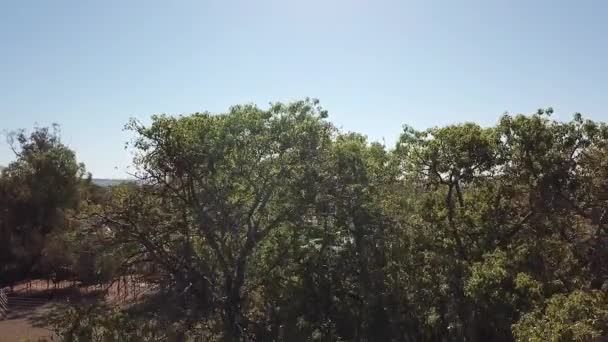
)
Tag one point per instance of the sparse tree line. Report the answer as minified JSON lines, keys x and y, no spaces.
{"x":273,"y":225}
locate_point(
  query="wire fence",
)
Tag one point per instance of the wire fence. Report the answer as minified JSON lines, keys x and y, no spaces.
{"x":3,"y":303}
{"x":32,"y":294}
{"x":11,"y":302}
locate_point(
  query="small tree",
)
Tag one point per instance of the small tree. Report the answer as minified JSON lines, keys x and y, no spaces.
{"x":36,"y":191}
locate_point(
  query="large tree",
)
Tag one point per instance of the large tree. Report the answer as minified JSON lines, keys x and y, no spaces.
{"x":508,"y":214}
{"x":216,"y":186}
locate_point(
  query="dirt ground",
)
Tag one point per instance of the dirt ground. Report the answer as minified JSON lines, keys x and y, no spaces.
{"x":25,"y":325}
{"x":32,"y":303}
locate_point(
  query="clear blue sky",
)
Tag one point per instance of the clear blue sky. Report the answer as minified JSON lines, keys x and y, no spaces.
{"x":375,"y":65}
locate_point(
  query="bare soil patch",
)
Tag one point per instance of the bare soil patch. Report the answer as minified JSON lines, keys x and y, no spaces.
{"x":33,"y":304}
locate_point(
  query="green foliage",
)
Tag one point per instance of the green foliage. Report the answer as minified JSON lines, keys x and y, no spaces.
{"x":37,"y":190}
{"x":272,"y":224}
{"x":576,"y":316}
{"x":90,"y":323}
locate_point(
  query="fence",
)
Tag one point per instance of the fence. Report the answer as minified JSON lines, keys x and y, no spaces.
{"x":32,"y":294}
{"x":11,"y":302}
{"x":3,"y":303}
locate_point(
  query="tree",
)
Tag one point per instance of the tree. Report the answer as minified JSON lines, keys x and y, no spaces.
{"x":509,"y":207}
{"x":274,"y":225}
{"x":577,"y":316}
{"x":36,"y":191}
{"x":216,"y":186}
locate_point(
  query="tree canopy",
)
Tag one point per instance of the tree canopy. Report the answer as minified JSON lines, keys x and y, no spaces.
{"x":274,"y":225}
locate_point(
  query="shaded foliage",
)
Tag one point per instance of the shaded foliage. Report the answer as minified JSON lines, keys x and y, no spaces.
{"x":37,"y":190}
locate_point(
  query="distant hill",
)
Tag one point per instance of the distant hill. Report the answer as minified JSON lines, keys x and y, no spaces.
{"x":109,"y":182}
